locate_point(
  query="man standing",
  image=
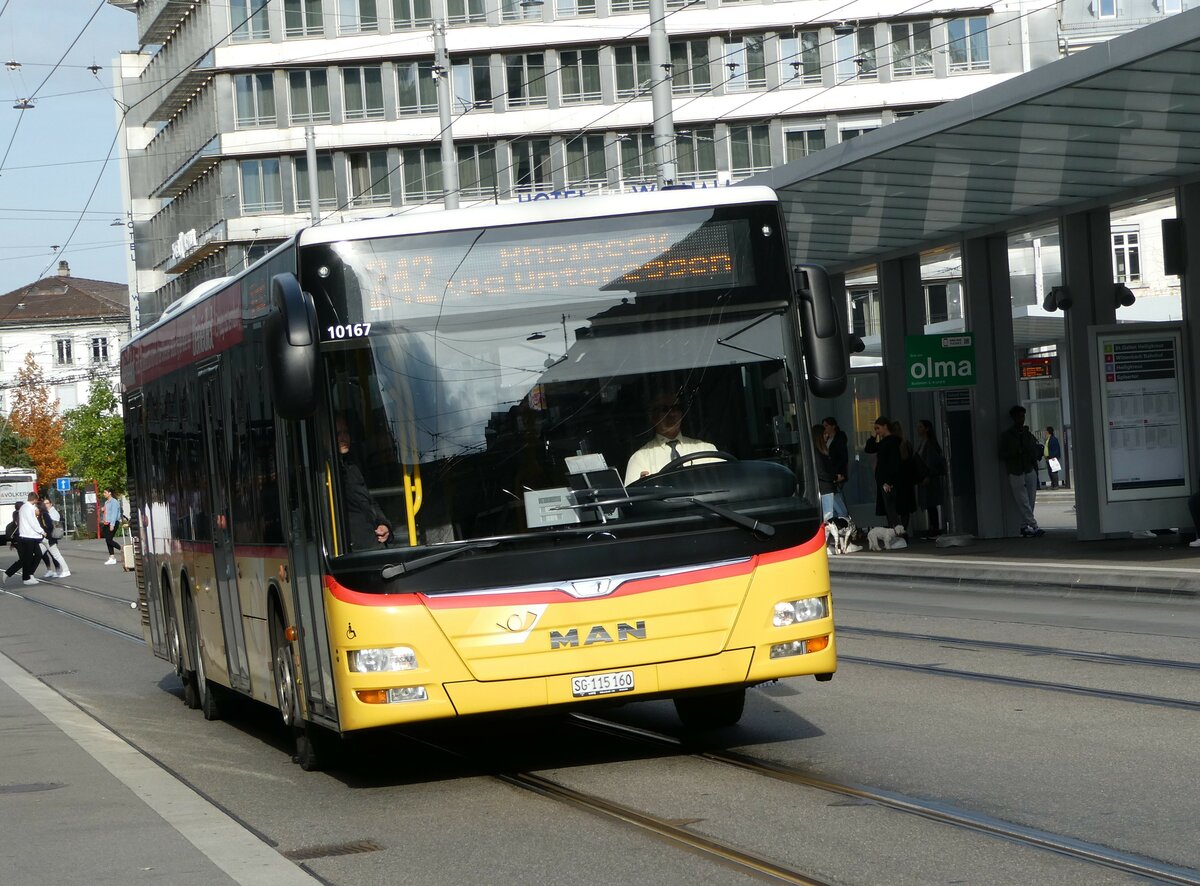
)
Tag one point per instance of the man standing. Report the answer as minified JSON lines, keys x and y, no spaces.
{"x":1020,"y":452}
{"x":1052,"y":452}
{"x":839,"y":457}
{"x":29,"y":541}
{"x":112,"y":522}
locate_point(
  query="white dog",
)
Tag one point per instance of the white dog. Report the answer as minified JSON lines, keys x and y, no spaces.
{"x":885,"y":538}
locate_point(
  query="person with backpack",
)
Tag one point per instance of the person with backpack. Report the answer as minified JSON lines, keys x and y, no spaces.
{"x":29,"y":534}
{"x":1020,"y":451}
{"x":50,"y":552}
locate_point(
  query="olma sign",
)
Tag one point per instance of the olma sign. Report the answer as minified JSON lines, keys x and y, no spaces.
{"x":940,"y":361}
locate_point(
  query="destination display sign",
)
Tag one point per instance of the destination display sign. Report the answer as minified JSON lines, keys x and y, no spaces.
{"x":1036,"y":367}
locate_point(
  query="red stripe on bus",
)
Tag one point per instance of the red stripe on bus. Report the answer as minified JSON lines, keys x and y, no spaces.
{"x":811,"y":546}
{"x":343,"y":593}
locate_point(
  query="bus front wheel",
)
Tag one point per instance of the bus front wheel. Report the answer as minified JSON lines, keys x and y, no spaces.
{"x":712,"y":710}
{"x":283,"y":665}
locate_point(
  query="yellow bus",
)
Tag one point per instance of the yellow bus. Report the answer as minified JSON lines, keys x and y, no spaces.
{"x":492,"y":459}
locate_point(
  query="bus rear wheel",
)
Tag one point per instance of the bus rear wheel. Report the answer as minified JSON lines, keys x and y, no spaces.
{"x":712,"y":710}
{"x":204,"y":691}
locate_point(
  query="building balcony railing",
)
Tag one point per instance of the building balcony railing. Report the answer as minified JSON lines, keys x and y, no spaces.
{"x":191,"y":170}
{"x":158,"y":18}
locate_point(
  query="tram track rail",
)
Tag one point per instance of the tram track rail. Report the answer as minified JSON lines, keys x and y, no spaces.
{"x":1079,"y":850}
{"x":1023,"y":648}
{"x":96,"y":623}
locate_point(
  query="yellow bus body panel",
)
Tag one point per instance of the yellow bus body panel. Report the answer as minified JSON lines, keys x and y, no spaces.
{"x":474,"y":657}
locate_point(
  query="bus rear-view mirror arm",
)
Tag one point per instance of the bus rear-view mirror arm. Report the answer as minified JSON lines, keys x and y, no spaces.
{"x":291,"y":345}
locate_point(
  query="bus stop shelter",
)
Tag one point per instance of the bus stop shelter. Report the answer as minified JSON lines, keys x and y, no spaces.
{"x":1064,"y":143}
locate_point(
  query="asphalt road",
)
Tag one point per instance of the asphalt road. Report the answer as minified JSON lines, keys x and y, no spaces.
{"x":437,"y":805}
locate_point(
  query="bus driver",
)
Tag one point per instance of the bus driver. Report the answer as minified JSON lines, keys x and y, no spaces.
{"x":368,"y":525}
{"x":665,"y":412}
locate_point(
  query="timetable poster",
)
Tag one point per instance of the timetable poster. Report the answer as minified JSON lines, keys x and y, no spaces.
{"x":1142,"y":393}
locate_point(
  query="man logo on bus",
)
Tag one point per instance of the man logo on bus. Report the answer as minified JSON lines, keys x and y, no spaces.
{"x":598,"y":634}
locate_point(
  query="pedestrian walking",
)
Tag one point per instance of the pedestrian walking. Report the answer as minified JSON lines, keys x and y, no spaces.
{"x":51,"y":523}
{"x":112,"y":522}
{"x":1052,"y":452}
{"x":1021,"y":452}
{"x":29,"y":541}
{"x":931,"y":491}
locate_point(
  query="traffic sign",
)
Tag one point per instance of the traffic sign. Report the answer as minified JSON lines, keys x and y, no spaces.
{"x":63,"y":484}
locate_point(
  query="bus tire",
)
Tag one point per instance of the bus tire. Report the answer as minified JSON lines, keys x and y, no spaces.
{"x":713,"y":710}
{"x":283,"y":666}
{"x":316,"y":747}
{"x":174,"y":642}
{"x":206,"y":697}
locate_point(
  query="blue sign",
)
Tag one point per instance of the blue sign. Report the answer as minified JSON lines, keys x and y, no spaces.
{"x":63,"y":484}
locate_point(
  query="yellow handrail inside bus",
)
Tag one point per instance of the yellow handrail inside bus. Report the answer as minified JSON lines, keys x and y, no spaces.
{"x":332,"y":517}
{"x":413,"y":497}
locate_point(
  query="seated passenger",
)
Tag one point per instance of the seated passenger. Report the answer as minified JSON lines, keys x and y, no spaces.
{"x":665,"y":412}
{"x":367,"y":525}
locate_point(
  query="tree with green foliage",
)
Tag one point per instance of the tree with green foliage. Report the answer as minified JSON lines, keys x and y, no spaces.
{"x":14,"y":449}
{"x":94,"y":438}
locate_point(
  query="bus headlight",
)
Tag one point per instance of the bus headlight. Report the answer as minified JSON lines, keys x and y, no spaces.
{"x":374,"y":661}
{"x":795,"y":611}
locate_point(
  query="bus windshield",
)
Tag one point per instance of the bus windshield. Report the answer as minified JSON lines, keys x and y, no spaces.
{"x":634,"y":376}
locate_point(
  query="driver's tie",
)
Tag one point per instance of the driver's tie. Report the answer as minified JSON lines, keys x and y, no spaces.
{"x":674,"y":444}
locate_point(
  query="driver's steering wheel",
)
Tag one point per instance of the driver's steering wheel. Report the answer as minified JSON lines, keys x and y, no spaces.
{"x":678,"y":462}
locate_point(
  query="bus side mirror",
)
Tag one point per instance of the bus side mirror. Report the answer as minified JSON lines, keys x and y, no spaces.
{"x":825,"y":346}
{"x":291,"y":345}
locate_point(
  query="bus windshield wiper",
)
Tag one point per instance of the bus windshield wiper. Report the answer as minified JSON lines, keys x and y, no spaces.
{"x":418,"y":563}
{"x":675,"y":495}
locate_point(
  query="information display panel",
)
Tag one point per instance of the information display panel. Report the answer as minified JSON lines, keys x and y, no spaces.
{"x":1143,"y":413}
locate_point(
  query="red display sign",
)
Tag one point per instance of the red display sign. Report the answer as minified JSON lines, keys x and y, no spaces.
{"x":1036,"y":367}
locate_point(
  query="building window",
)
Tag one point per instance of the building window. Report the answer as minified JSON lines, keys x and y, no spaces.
{"x":847,"y":131}
{"x":690,"y":71}
{"x":477,"y":170}
{"x":1127,"y":262}
{"x":326,"y":192}
{"x":1106,"y":8}
{"x":526,"y":79}
{"x":364,"y":93}
{"x":302,"y":18}
{"x":248,"y":20}
{"x":62,"y":352}
{"x":357,"y":16}
{"x":255,"y":99}
{"x":749,"y":149}
{"x":968,"y":44}
{"x":369,"y":178}
{"x":261,"y":186}
{"x":568,"y":8}
{"x":255,"y":251}
{"x":696,"y":154}
{"x":519,"y":10}
{"x":464,"y":12}
{"x":471,"y":81}
{"x":633,"y":70}
{"x":67,"y":396}
{"x":531,"y":165}
{"x":745,"y":62}
{"x":629,"y":5}
{"x":408,"y":14}
{"x":99,"y":349}
{"x":579,"y":70}
{"x":912,"y":50}
{"x":800,"y":59}
{"x":416,"y":88}
{"x":1172,"y":7}
{"x":799,"y":143}
{"x":637,"y":158}
{"x":309,"y":93}
{"x":855,"y":53}
{"x":422,"y":169}
{"x":586,"y":166}
{"x":864,"y":312}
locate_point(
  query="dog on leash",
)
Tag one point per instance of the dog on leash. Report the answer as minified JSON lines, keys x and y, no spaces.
{"x":886,"y":538}
{"x":843,"y":537}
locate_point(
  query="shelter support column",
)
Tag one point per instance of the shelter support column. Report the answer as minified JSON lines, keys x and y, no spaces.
{"x":901,"y":313}
{"x":1087,"y":274}
{"x":988,"y":308}
{"x":1187,"y":202}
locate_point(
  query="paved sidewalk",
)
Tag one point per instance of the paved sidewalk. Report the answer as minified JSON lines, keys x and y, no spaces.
{"x":1163,"y":564}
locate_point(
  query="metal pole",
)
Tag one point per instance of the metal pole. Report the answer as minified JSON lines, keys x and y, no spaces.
{"x":310,"y":150}
{"x":660,"y":94}
{"x":441,"y":70}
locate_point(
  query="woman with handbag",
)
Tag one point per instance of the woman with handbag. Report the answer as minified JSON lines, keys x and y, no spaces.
{"x":51,"y":523}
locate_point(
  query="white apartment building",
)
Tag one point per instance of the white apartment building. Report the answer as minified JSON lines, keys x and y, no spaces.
{"x":73,"y":326}
{"x":551,"y":98}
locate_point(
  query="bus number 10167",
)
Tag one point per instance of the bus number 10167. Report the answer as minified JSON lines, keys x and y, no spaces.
{"x":350,"y":330}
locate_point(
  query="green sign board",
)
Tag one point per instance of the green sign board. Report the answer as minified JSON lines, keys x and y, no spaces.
{"x":940,"y":361}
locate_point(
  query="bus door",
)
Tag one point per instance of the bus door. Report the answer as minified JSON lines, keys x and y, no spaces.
{"x":296,"y":460}
{"x":140,"y":493}
{"x":217,"y":453}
